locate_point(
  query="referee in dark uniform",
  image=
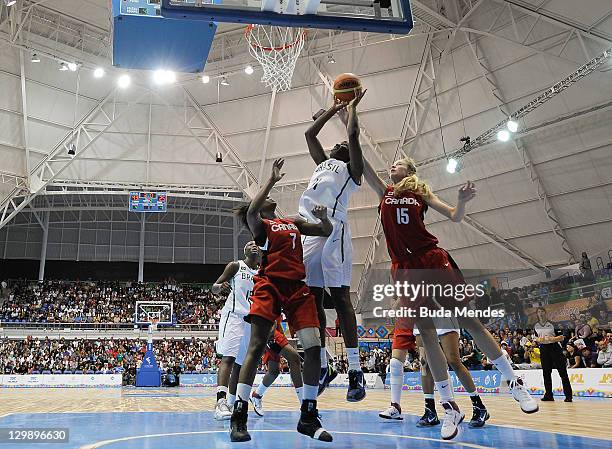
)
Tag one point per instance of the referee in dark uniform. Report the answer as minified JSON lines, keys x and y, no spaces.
{"x":551,"y":355}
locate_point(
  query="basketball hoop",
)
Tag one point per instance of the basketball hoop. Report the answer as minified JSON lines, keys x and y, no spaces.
{"x":277,"y":49}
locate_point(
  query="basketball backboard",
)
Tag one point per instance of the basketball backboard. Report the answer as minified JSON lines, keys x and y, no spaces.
{"x":147,"y":311}
{"x":378,"y":16}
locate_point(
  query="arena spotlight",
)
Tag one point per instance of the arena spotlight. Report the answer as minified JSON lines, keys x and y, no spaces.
{"x":73,"y":66}
{"x":72,"y":149}
{"x":452,"y":165}
{"x":330,"y":59}
{"x":63,"y":67}
{"x":161,"y":77}
{"x":219,"y":157}
{"x":205,"y":79}
{"x":249,"y":70}
{"x":98,"y":73}
{"x":10,"y":2}
{"x":35,"y":58}
{"x":124,"y":81}
{"x":503,"y":135}
{"x":512,"y":126}
{"x":224,"y":81}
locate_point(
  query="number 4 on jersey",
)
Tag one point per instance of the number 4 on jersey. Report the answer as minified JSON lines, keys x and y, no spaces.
{"x":402,"y":215}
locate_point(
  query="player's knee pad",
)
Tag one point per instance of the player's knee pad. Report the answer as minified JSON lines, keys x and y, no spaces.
{"x":396,"y":367}
{"x":309,"y":337}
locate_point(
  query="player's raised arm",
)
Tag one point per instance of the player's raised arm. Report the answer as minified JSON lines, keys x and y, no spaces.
{"x":356,"y":164}
{"x":323,"y":229}
{"x":253,"y":215}
{"x":456,"y":214}
{"x":376,"y":182}
{"x":314,"y":145}
{"x":221,"y":286}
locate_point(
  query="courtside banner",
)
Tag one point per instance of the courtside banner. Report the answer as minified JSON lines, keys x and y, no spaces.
{"x":586,"y":382}
{"x":210,"y":380}
{"x":198,"y":380}
{"x":485,"y":381}
{"x":60,"y":380}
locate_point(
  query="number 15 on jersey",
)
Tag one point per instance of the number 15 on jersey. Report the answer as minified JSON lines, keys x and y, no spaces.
{"x":402,"y":215}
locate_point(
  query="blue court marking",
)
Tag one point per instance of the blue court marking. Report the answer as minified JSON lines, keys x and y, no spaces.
{"x":167,"y":395}
{"x":359,"y":430}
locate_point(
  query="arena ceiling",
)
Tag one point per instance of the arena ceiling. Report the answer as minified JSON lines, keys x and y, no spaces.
{"x":544,"y":197}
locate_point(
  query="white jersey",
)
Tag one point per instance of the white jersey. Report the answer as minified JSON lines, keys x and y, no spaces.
{"x":239,"y":299}
{"x":331,"y":185}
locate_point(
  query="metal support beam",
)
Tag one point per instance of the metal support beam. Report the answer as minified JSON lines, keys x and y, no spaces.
{"x":236,"y":229}
{"x":239,"y":172}
{"x":523,"y":6}
{"x":141,"y":248}
{"x":43,"y":247}
{"x":24,"y":112}
{"x":57,"y":161}
{"x":264,"y":150}
{"x":523,"y":152}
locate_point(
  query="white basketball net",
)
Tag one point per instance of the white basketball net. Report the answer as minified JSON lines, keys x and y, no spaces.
{"x":276,"y":49}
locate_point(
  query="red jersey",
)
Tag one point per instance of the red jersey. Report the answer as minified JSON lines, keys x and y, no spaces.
{"x":403,"y":221}
{"x":282,"y":253}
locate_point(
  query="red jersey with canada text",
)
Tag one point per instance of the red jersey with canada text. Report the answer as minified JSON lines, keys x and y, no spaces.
{"x":282,"y":253}
{"x":403,"y":221}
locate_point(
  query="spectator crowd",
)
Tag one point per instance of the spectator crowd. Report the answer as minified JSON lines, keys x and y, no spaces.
{"x":35,"y":356}
{"x":104,"y":302}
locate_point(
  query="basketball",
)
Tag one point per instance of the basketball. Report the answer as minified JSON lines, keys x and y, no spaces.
{"x":346,"y":87}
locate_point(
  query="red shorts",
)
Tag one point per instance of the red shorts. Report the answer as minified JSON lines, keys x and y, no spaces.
{"x":270,"y":356}
{"x":403,"y":338}
{"x":271,"y":296}
{"x":434,"y":265}
{"x":274,"y":347}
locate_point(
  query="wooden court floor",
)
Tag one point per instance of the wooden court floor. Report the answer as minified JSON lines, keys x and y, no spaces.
{"x":583,"y":417}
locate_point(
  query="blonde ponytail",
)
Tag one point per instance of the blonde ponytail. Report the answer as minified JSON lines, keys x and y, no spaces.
{"x":411,"y":183}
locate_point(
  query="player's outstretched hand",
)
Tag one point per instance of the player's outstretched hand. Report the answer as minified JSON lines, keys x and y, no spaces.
{"x":276,"y":170}
{"x":339,"y":105}
{"x":355,"y":101}
{"x":225,"y":289}
{"x":319,"y":212}
{"x":467,"y":192}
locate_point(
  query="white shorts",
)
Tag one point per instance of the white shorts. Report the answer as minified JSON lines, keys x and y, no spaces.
{"x":329,"y":261}
{"x":443,"y":326}
{"x":234,"y":336}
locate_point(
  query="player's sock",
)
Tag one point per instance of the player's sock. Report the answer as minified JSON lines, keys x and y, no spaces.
{"x":397,"y":380}
{"x":221,"y":392}
{"x":243,"y":391}
{"x":503,"y":366}
{"x":353,"y":359}
{"x":300,"y":393}
{"x":445,"y":388}
{"x":323,"y":357}
{"x":476,"y":401}
{"x":261,"y":390}
{"x":231,"y":398}
{"x":430,"y":402}
{"x":310,"y":392}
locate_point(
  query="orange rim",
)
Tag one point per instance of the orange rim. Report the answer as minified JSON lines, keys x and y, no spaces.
{"x":249,"y":29}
